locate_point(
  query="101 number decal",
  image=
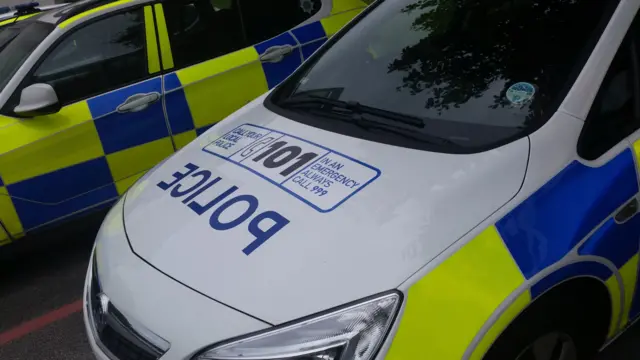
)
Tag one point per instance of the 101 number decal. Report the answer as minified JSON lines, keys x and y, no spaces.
{"x":319,"y":176}
{"x":277,"y":155}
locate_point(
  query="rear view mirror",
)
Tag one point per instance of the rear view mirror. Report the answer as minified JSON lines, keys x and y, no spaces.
{"x":37,"y":99}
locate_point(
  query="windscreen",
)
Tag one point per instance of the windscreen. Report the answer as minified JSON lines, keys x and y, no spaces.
{"x":16,"y":44}
{"x":474,"y":73}
{"x":6,"y":35}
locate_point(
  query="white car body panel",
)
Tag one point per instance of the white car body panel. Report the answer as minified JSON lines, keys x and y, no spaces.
{"x":415,"y":210}
{"x":170,"y":309}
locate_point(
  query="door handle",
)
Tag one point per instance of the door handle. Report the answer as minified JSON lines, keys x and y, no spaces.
{"x":276,"y":53}
{"x":138,"y":102}
{"x":627,"y":211}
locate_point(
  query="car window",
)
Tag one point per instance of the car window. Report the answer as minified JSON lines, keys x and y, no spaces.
{"x":200,"y":30}
{"x":16,"y":44}
{"x":265,"y":19}
{"x":613,"y":115}
{"x":476,"y":74}
{"x":6,"y":35}
{"x":102,"y":56}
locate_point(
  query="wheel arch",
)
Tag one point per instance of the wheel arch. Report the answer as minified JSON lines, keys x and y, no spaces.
{"x":564,"y":295}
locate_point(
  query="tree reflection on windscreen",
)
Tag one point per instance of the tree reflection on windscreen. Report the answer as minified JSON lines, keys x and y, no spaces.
{"x":454,"y":60}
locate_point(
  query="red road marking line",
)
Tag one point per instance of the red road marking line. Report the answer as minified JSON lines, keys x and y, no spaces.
{"x":38,"y":323}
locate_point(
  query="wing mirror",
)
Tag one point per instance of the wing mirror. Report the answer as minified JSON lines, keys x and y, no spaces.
{"x":36,"y":100}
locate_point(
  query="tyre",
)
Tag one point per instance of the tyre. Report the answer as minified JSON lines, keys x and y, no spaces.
{"x":569,"y":322}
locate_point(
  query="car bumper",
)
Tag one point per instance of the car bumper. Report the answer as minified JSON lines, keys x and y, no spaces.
{"x":95,"y":349}
{"x":187,"y":320}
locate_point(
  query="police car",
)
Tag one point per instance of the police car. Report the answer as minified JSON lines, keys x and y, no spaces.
{"x":94,"y":94}
{"x":435,"y":182}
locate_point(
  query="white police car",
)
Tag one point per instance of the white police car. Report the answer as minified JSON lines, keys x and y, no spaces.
{"x":435,"y":182}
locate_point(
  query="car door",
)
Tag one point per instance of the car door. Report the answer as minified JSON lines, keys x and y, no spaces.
{"x":609,"y":147}
{"x":221,"y":54}
{"x":210,"y":71}
{"x":309,"y":22}
{"x":631,"y":247}
{"x":111,"y":127}
{"x":279,"y":30}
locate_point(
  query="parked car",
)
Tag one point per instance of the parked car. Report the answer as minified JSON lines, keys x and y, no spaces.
{"x":94,"y":94}
{"x":440,"y":180}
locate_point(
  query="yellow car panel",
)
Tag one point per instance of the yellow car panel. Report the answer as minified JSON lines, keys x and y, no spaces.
{"x":451,"y":317}
{"x":9,"y":216}
{"x":334,"y":23}
{"x":73,"y":19}
{"x":126,"y":163}
{"x":152,"y":45}
{"x":163,"y":38}
{"x":39,"y":146}
{"x":182,"y":139}
{"x":234,"y":79}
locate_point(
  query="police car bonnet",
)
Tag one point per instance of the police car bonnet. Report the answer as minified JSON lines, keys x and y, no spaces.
{"x":280,"y":220}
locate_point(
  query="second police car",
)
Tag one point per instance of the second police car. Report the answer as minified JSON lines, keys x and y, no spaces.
{"x":440,"y":180}
{"x":94,"y":94}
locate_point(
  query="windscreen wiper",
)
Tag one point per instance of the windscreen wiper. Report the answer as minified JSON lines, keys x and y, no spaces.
{"x":349,"y":107}
{"x":351,"y":111}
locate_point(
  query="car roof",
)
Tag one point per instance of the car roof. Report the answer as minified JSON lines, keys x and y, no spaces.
{"x":33,"y":9}
{"x":80,"y":7}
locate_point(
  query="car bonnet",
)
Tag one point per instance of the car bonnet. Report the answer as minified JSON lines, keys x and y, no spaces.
{"x":288,"y":234}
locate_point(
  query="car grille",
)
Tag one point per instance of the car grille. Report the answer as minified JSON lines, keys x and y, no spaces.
{"x":114,"y":333}
{"x":122,"y":348}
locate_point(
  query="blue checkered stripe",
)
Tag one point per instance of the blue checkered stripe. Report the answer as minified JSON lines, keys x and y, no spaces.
{"x":90,"y":184}
{"x":306,"y":39}
{"x":544,"y":228}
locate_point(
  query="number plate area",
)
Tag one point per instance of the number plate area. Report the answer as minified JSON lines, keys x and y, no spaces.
{"x":320,"y":177}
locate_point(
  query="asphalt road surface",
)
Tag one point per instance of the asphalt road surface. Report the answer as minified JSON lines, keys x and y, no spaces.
{"x":40,"y":292}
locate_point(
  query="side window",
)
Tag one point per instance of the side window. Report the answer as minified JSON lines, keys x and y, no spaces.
{"x":265,"y":19}
{"x":200,"y":30}
{"x":613,"y":115}
{"x":102,"y":56}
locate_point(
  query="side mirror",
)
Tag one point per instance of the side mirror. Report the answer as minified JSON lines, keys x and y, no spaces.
{"x":36,"y":100}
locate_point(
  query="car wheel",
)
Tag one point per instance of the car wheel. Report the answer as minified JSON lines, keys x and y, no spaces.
{"x":563,"y":324}
{"x":551,"y":346}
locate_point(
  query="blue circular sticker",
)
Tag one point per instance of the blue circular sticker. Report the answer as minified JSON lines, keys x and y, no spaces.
{"x":520,"y":92}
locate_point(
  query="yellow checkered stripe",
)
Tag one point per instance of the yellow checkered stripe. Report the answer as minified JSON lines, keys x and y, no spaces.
{"x":69,"y":137}
{"x":629,"y":274}
{"x":334,"y":23}
{"x":90,"y":12}
{"x":237,"y":78}
{"x":33,"y":149}
{"x":8,"y":21}
{"x":450,"y":304}
{"x":340,"y":6}
{"x":16,"y":19}
{"x":9,"y":218}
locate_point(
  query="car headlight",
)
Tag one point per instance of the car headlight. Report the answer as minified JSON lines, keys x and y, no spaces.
{"x":354,"y":332}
